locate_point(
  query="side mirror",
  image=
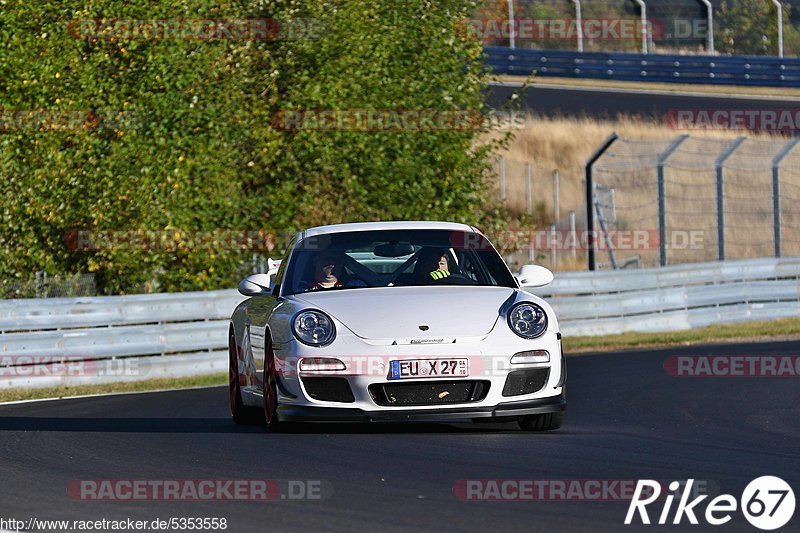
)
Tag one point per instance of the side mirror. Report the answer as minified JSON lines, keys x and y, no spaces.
{"x":256,"y":285}
{"x":261,"y":284}
{"x":534,"y":276}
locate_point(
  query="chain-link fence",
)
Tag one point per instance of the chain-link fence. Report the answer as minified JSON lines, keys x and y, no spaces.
{"x":690,"y":199}
{"x":657,"y":202}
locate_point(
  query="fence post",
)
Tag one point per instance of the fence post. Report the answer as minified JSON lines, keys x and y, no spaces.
{"x":721,"y":195}
{"x":556,"y":197}
{"x":589,"y":169}
{"x":662,"y":208}
{"x":579,"y":20}
{"x":528,"y":188}
{"x":710,"y":21}
{"x":643,"y":8}
{"x":573,"y":237}
{"x":502,"y":162}
{"x":512,"y":36}
{"x":776,"y":192}
{"x":553,"y":248}
{"x":780,"y":26}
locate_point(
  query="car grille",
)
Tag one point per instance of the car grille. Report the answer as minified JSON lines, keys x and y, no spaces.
{"x":329,"y":389}
{"x":525,"y":381}
{"x":428,"y":393}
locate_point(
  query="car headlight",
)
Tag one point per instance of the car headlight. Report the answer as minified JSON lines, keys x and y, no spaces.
{"x":314,"y":328}
{"x":527,"y":320}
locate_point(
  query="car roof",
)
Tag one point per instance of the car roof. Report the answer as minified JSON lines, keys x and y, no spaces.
{"x":375,"y":226}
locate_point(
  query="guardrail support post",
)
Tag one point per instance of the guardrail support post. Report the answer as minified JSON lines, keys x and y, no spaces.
{"x":710,"y":19}
{"x":643,"y":8}
{"x":512,"y":34}
{"x":780,"y":26}
{"x":590,"y":198}
{"x":776,"y":192}
{"x":721,"y":195}
{"x":662,"y":208}
{"x":579,"y":20}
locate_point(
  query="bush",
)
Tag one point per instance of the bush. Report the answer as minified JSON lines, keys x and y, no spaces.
{"x":186,"y":141}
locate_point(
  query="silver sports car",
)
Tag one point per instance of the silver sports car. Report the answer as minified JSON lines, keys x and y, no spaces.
{"x":395,"y":321}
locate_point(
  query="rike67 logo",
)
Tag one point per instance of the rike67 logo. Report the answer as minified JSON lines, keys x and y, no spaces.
{"x":768,"y":503}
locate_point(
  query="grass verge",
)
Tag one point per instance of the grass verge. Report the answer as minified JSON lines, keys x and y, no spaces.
{"x":773,"y":330}
{"x":11,"y":395}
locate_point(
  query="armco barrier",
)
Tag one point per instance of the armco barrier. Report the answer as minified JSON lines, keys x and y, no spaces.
{"x":127,"y":338}
{"x":675,"y":297}
{"x":717,"y":70}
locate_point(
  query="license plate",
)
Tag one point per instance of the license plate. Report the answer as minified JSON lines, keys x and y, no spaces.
{"x":429,"y":368}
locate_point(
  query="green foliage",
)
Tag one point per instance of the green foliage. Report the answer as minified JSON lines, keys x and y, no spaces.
{"x":750,"y":27}
{"x":186,"y":140}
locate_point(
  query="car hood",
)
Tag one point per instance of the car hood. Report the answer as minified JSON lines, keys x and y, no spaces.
{"x":399,"y":314}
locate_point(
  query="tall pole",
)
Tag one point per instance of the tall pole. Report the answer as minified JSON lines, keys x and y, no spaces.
{"x":780,"y":26}
{"x":579,"y":20}
{"x":589,"y":169}
{"x":512,"y":33}
{"x":776,"y":193}
{"x":662,"y":198}
{"x":643,"y":8}
{"x":710,"y":15}
{"x":720,"y":165}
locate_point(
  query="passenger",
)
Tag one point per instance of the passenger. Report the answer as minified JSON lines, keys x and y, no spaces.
{"x":433,"y":265}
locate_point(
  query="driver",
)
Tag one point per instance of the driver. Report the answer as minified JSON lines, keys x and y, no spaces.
{"x":328,"y":273}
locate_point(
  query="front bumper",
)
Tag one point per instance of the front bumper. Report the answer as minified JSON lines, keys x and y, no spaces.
{"x":505,"y":410}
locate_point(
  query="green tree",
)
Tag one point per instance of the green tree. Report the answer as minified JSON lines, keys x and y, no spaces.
{"x":750,"y":27}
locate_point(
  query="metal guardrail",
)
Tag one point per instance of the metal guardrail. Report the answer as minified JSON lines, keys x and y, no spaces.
{"x":77,"y":341}
{"x":128,"y":338}
{"x":717,"y":70}
{"x":675,"y":297}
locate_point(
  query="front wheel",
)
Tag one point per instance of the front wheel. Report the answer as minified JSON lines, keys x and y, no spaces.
{"x":271,"y":390}
{"x":241,"y":413}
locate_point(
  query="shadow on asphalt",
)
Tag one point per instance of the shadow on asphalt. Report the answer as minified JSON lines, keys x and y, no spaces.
{"x":224,"y":425}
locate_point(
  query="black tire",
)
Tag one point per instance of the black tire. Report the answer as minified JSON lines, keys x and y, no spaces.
{"x":270,"y":410}
{"x":241,"y":413}
{"x":545,"y":422}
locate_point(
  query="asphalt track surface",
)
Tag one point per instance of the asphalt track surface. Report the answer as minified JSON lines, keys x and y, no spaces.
{"x":627,"y":419}
{"x":610,"y":103}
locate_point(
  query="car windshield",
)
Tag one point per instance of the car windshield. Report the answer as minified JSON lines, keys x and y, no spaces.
{"x":394,"y":258}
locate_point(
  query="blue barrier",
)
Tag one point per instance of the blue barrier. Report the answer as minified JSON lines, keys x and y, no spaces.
{"x":717,"y":70}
